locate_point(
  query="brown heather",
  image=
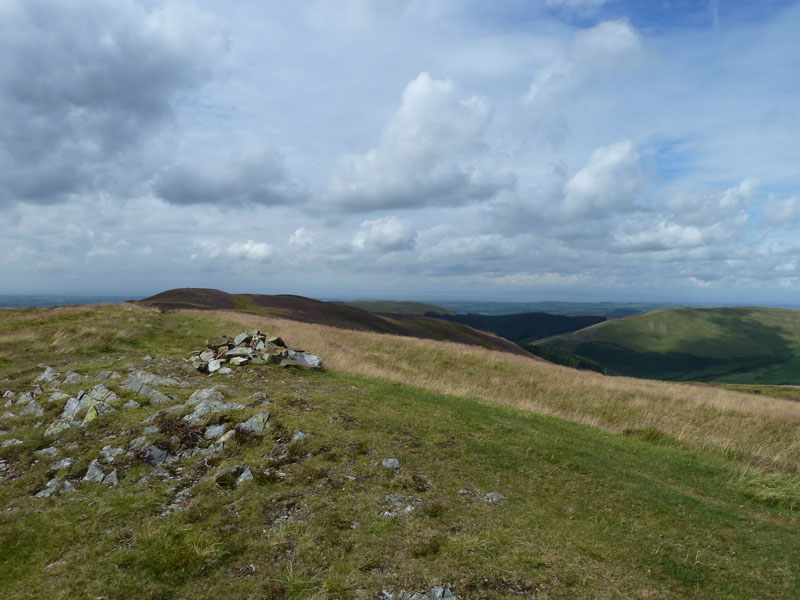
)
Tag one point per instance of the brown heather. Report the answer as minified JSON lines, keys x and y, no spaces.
{"x":751,"y":428}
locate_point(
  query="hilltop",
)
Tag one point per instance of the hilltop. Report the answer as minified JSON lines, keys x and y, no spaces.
{"x":407,"y":466}
{"x":734,"y":345}
{"x":308,"y":310}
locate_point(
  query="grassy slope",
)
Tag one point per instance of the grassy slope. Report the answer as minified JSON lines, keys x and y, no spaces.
{"x":398,"y":308}
{"x":590,"y":514}
{"x":735,"y":345}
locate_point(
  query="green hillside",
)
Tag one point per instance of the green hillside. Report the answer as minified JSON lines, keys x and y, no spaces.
{"x":734,"y":345}
{"x":488,"y":501}
{"x":612,"y":310}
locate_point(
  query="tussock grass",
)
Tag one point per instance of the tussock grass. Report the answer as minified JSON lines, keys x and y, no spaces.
{"x":743,"y":427}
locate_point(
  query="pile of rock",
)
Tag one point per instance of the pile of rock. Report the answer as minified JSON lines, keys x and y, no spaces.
{"x":252,"y":347}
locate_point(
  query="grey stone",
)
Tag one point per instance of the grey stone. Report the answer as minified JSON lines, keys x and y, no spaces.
{"x":51,"y":452}
{"x":56,"y":396}
{"x":8,"y":415}
{"x":73,"y":407}
{"x":65,"y":463}
{"x":494,"y":497}
{"x":225,"y":371}
{"x":390,"y":463}
{"x":214,"y":365}
{"x":150,"y":430}
{"x":111,"y":452}
{"x":210,"y":406}
{"x":276,"y":341}
{"x":155,"y":455}
{"x":214,"y":431}
{"x":51,"y":487}
{"x":255,"y":424}
{"x":156,"y":397}
{"x":138,"y":378}
{"x":25,"y":397}
{"x":72,"y":378}
{"x":299,"y":435}
{"x":131,"y":404}
{"x":111,"y":478}
{"x":306,"y":357}
{"x":239,"y":352}
{"x":100,"y":393}
{"x":49,"y":375}
{"x":247,"y":475}
{"x":229,"y":477}
{"x":238,"y":361}
{"x":56,"y":427}
{"x":139,"y":442}
{"x":242,"y":338}
{"x":8,"y":394}
{"x":94,"y":472}
{"x":32,"y":408}
{"x":67,"y":487}
{"x":11,"y":442}
{"x":147,"y":357}
{"x":205,"y":394}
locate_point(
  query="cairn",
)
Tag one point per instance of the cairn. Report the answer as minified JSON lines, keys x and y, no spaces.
{"x":250,"y":347}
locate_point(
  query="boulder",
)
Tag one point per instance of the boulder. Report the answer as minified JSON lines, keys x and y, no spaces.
{"x":48,"y":376}
{"x":306,"y":357}
{"x":32,"y":409}
{"x":214,"y":365}
{"x":94,"y":472}
{"x":205,"y":394}
{"x":276,"y":341}
{"x":254,"y":425}
{"x":73,"y":378}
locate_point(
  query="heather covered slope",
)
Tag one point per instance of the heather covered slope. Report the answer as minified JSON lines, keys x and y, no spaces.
{"x":487,"y":498}
{"x":523,"y":328}
{"x":308,"y":310}
{"x":734,"y":345}
{"x":397,"y":307}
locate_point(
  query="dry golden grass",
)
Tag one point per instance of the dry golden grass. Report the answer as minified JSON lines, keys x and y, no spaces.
{"x":758,"y":430}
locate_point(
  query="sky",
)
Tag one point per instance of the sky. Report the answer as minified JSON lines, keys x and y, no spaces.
{"x":409,"y":149}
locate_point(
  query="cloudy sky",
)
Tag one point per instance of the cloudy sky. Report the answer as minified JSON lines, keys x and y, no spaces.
{"x":430,"y":149}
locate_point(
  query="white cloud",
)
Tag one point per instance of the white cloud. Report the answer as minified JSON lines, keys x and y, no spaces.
{"x":301,"y":238}
{"x":610,"y":182}
{"x":250,"y":250}
{"x":783,"y":213}
{"x":426,"y":155}
{"x":387,"y":234}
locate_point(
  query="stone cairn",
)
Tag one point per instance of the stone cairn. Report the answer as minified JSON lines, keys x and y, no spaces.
{"x":251,"y":347}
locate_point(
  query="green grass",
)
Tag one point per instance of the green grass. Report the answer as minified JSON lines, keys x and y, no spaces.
{"x":588,"y":514}
{"x":735,"y":345}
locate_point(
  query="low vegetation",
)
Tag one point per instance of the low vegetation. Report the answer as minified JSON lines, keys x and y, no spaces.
{"x":674,"y":491}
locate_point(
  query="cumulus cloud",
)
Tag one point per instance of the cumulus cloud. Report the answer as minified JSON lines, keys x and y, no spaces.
{"x":610,"y":181}
{"x":425,"y":157}
{"x":88,"y":86}
{"x":387,"y":234}
{"x":235,"y":179}
{"x":301,"y":238}
{"x":247,"y":250}
{"x":783,"y":213}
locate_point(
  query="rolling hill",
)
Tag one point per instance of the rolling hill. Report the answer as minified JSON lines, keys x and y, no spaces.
{"x":397,"y":308}
{"x":406,"y":467}
{"x":524,"y":328}
{"x":611,"y":310}
{"x":734,"y":345}
{"x":308,"y":310}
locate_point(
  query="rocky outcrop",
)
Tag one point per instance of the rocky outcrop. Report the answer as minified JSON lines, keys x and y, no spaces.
{"x":250,"y":347}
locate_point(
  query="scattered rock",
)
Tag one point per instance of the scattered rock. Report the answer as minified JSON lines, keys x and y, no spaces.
{"x":54,"y":487}
{"x":214,"y":365}
{"x":247,"y":475}
{"x":130,"y":404}
{"x":111,"y":452}
{"x":49,"y":375}
{"x":11,"y":442}
{"x":32,"y":408}
{"x":390,"y":463}
{"x":111,"y":478}
{"x":153,"y":455}
{"x":65,"y":463}
{"x":51,"y":452}
{"x":305,"y":357}
{"x":206,"y":394}
{"x":225,"y":371}
{"x":74,"y":378}
{"x":255,"y":425}
{"x":299,"y":435}
{"x":94,"y":472}
{"x":214,"y":431}
{"x":56,"y":396}
{"x":230,"y":477}
{"x":140,"y":378}
{"x":493,"y":497}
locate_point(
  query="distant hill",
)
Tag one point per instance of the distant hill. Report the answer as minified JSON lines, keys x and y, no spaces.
{"x":734,"y":345}
{"x":308,"y":310}
{"x":524,"y":328}
{"x":612,"y":310}
{"x":398,"y":308}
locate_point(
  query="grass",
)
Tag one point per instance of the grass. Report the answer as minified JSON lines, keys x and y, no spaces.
{"x":735,"y":345}
{"x":633,"y":511}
